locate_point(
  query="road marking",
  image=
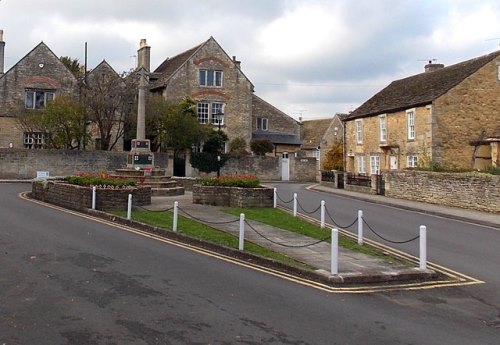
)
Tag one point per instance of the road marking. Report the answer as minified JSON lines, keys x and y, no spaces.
{"x":462,"y":280}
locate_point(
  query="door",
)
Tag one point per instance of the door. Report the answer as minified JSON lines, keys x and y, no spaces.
{"x":393,"y":162}
{"x":285,"y":167}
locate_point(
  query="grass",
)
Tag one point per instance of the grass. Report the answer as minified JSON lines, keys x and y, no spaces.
{"x":204,"y":232}
{"x":284,"y":220}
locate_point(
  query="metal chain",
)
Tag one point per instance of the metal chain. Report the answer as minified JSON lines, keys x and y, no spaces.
{"x":337,"y":225}
{"x":146,"y":209}
{"x":283,"y":201}
{"x":206,"y":221}
{"x":312,"y":212}
{"x":385,"y":239}
{"x":282,"y":244}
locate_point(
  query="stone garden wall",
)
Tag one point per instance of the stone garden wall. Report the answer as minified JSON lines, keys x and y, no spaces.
{"x":233,"y":196}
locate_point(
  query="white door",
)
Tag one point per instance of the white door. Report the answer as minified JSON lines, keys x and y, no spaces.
{"x":393,"y":162}
{"x":285,"y":167}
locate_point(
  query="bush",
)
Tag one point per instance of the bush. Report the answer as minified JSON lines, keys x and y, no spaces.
{"x":99,"y":181}
{"x":231,"y":181}
{"x":261,"y":146}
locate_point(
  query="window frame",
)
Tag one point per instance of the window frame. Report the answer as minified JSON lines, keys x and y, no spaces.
{"x":213,"y":111}
{"x":412,"y":161}
{"x":259,"y":123}
{"x":203,"y":112}
{"x":361,"y":165}
{"x":210,"y":77}
{"x":38,"y":99}
{"x":382,"y":125}
{"x":358,"y":130}
{"x":33,"y":140}
{"x":375,"y":165}
{"x":410,"y":124}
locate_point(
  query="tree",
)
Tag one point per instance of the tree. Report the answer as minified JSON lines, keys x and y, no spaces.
{"x":63,"y":123}
{"x":238,"y":147}
{"x":334,"y":159}
{"x":109,"y":100}
{"x":73,"y":65}
{"x":261,"y":146}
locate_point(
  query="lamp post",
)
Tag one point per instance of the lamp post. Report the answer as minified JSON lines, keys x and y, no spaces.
{"x":218,"y":117}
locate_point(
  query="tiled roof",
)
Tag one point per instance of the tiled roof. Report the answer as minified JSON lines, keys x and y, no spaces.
{"x":420,"y":89}
{"x":171,"y":65}
{"x":277,"y":137}
{"x":314,"y":130}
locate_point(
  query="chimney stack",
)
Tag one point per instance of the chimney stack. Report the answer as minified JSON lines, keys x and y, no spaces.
{"x":236,"y":62}
{"x":431,"y":67}
{"x":2,"y":49}
{"x":144,"y":55}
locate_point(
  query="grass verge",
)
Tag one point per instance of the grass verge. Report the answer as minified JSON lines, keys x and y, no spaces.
{"x":204,"y":232}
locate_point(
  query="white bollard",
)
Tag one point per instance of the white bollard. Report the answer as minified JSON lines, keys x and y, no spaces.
{"x":322,"y":214}
{"x":360,"y":227}
{"x":129,"y":207}
{"x":275,"y":198}
{"x":423,"y":247}
{"x":295,"y":204}
{"x":93,"y":197}
{"x":242,"y":232}
{"x":176,"y":214}
{"x":335,"y":251}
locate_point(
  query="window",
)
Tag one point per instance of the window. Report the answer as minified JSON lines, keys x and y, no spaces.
{"x":316,"y":153}
{"x":374,"y":165}
{"x":262,"y":123}
{"x":34,"y":140}
{"x":411,"y":161}
{"x":217,"y":108}
{"x":383,"y":128}
{"x":203,"y":112}
{"x":207,"y":112}
{"x":210,"y":78}
{"x":37,"y":99}
{"x":498,"y":72}
{"x":361,"y":165}
{"x":410,"y":121}
{"x":359,"y":131}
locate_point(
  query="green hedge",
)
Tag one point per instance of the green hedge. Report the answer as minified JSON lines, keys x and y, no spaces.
{"x":231,"y":181}
{"x":98,"y":181}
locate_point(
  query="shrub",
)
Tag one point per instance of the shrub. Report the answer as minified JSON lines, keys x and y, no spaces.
{"x":99,"y":181}
{"x":261,"y":146}
{"x":231,"y":181}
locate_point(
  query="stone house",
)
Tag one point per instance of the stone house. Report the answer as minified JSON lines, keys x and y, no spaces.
{"x":32,"y":82}
{"x":319,"y":136}
{"x":446,"y":115}
{"x":223,"y":93}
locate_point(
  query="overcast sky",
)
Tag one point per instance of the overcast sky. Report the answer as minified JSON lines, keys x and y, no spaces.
{"x":309,"y":58}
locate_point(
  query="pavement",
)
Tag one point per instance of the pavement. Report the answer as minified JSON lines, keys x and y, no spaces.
{"x":354,"y":267}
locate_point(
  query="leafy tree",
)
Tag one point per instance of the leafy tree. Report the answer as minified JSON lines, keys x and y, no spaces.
{"x":238,"y":147}
{"x":334,"y":159}
{"x":73,"y":65}
{"x":212,"y":158}
{"x":261,"y":146}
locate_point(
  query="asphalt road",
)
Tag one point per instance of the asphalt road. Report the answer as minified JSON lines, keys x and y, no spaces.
{"x":70,"y":280}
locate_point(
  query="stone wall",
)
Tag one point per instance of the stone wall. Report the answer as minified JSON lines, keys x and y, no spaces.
{"x":24,"y":163}
{"x":233,"y":196}
{"x":472,"y":191}
{"x":80,"y":198}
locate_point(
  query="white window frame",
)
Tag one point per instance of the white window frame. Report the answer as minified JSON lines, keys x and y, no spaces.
{"x":361,"y":165}
{"x":358,"y":128}
{"x":203,"y":112}
{"x":316,"y":153}
{"x":210,"y":78}
{"x":374,"y":165}
{"x":498,"y":72}
{"x":262,"y":123}
{"x":216,"y":108}
{"x":383,"y":128}
{"x":37,"y":98}
{"x":410,"y":124}
{"x":411,"y":161}
{"x":33,"y":140}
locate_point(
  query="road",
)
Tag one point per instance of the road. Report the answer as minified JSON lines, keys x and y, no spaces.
{"x":65,"y":279}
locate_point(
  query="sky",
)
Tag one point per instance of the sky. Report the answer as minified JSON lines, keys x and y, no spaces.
{"x":309,"y":58}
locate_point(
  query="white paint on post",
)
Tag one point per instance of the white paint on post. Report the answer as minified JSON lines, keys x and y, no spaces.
{"x":360,"y":227}
{"x":423,"y":247}
{"x":93,"y":197}
{"x":335,"y":251}
{"x":129,"y":207}
{"x":275,"y":198}
{"x":322,"y":214}
{"x":295,"y":204}
{"x":176,"y":214}
{"x":242,"y":232}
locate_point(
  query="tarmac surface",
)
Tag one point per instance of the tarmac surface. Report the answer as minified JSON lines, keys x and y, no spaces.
{"x":354,"y":267}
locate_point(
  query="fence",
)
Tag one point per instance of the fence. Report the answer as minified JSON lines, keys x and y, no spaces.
{"x":359,"y":220}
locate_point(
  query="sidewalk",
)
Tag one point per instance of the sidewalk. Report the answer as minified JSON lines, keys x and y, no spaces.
{"x":354,"y":267}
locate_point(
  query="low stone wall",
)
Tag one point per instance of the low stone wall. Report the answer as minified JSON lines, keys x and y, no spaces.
{"x":80,"y":198}
{"x":233,"y":196}
{"x":466,"y":190}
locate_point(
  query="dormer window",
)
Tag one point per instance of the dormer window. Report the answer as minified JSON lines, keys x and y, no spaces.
{"x":38,"y":99}
{"x":210,"y":78}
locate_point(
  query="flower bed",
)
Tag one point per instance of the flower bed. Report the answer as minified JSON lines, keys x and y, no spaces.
{"x":232,"y":191}
{"x":78,"y":197}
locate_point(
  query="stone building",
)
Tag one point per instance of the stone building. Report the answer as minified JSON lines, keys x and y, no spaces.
{"x":223,"y":93}
{"x":446,"y":115}
{"x":32,"y":82}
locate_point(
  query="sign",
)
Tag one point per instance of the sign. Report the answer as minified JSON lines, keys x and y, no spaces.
{"x":42,"y":174}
